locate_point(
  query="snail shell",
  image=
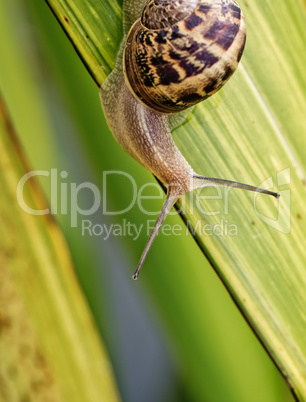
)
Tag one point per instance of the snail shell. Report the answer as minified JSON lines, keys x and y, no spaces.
{"x":181,"y":52}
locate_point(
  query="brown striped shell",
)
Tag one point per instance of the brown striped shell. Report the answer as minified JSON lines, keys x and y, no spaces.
{"x":182,"y":51}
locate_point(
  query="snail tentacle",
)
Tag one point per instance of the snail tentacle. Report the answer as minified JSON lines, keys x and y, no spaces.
{"x":170,"y":200}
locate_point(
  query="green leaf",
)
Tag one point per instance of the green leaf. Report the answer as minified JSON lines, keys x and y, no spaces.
{"x":44,"y":318}
{"x":86,"y":23}
{"x":251,"y":131}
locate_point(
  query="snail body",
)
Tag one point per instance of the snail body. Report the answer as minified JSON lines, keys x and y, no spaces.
{"x":175,"y":53}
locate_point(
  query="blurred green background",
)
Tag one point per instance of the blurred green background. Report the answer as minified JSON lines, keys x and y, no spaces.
{"x":164,"y":344}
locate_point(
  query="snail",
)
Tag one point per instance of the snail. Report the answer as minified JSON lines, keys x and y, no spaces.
{"x":174,"y":54}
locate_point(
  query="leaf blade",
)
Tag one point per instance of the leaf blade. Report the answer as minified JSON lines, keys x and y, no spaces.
{"x":272,"y":116}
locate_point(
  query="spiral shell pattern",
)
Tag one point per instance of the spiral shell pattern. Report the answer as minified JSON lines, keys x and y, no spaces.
{"x":181,"y":52}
